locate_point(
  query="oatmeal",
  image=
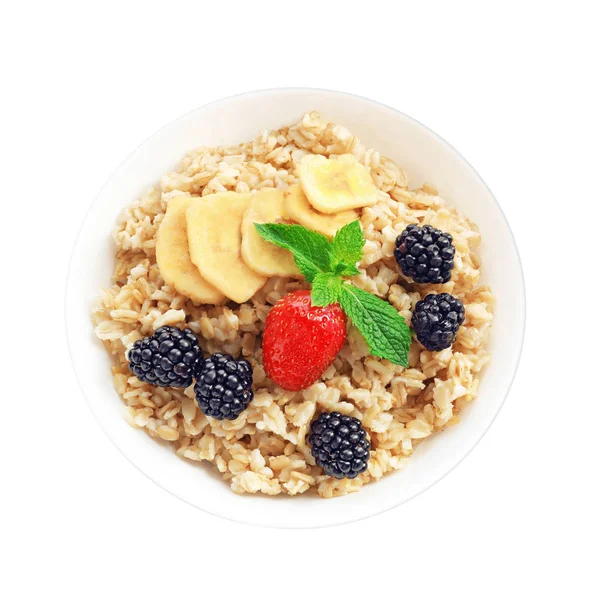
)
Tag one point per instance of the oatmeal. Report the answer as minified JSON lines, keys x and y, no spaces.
{"x":266,"y":447}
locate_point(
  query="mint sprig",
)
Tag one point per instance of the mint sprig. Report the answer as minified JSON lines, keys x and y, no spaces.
{"x":383,"y":328}
{"x":347,"y":249}
{"x":326,"y":289}
{"x":325,"y":265}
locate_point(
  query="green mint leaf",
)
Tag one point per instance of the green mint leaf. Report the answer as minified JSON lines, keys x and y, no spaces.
{"x":345,"y":269}
{"x":326,"y":289}
{"x":311,"y":250}
{"x":383,"y":328}
{"x":347,"y":245}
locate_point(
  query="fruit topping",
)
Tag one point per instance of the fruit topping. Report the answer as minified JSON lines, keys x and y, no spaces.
{"x":425,"y":254}
{"x":336,"y":184}
{"x":436,"y":320}
{"x":267,"y":206}
{"x":223,"y":387}
{"x":214,"y":233}
{"x":340,"y":445}
{"x":168,"y":358}
{"x":300,"y":340}
{"x":299,"y":210}
{"x":172,"y":255}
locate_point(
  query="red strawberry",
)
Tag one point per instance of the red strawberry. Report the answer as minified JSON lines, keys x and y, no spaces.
{"x":300,"y":341}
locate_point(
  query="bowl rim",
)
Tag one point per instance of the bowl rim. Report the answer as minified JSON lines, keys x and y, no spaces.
{"x":521,"y":304}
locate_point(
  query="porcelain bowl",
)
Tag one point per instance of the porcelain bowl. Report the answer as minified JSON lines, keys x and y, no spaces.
{"x":426,"y":157}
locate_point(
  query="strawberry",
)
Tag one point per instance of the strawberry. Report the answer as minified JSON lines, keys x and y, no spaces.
{"x":300,"y":340}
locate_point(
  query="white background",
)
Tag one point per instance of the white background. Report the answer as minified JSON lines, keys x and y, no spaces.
{"x":505,"y":83}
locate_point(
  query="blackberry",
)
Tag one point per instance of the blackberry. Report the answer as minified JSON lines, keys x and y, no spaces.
{"x":436,"y":320}
{"x":168,"y":358}
{"x":339,"y":445}
{"x":425,"y":254}
{"x":223,"y":387}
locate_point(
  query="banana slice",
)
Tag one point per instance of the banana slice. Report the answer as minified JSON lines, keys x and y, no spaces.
{"x":214,"y":233}
{"x":172,"y":256}
{"x":336,"y":184}
{"x":267,"y":206}
{"x":299,"y":209}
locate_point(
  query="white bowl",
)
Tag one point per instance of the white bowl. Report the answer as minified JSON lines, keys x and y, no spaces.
{"x":426,"y":157}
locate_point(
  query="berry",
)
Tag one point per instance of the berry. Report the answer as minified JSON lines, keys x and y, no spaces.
{"x":168,"y":358}
{"x":425,"y":254}
{"x":223,"y":387}
{"x":339,"y":445}
{"x":300,"y":340}
{"x":436,"y":320}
